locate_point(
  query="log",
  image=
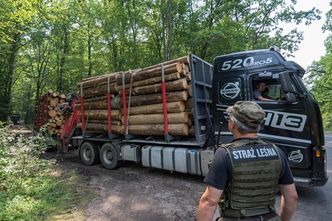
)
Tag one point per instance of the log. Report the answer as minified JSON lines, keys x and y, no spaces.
{"x":59,"y":122}
{"x":172,"y":107}
{"x":149,"y":73}
{"x":52,"y":113}
{"x":101,"y":114}
{"x":99,"y":91}
{"x":149,"y":81}
{"x":62,"y":96}
{"x":114,"y":122}
{"x":184,"y":59}
{"x":157,"y":98}
{"x":86,"y":100}
{"x":173,"y":118}
{"x":189,"y":104}
{"x":115,"y":105}
{"x":177,"y":85}
{"x":102,"y":127}
{"x":54,"y":102}
{"x":94,"y":81}
{"x":158,"y":129}
{"x":190,"y":90}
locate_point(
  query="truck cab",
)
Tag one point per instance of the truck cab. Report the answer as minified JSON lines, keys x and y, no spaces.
{"x":293,"y":120}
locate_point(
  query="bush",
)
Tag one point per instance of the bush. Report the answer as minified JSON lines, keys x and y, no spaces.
{"x":30,"y":187}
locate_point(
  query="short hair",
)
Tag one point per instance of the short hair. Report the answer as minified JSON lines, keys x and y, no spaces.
{"x":242,"y":128}
{"x":259,"y":82}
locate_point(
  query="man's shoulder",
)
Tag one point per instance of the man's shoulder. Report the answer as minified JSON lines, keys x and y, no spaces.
{"x":257,"y":93}
{"x":225,"y":146}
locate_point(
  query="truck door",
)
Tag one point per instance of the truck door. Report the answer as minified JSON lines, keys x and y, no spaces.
{"x":227,"y":90}
{"x":286,"y":123}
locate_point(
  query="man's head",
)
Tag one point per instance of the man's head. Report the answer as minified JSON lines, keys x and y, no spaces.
{"x":246,"y":116}
{"x":260,"y":86}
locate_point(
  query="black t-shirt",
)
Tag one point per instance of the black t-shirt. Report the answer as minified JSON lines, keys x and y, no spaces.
{"x":221,"y":168}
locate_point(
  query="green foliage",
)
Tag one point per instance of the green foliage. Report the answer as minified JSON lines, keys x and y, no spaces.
{"x":320,"y":77}
{"x":57,"y":43}
{"x":30,"y":188}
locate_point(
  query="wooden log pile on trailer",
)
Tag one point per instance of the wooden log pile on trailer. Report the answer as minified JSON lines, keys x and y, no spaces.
{"x":47,"y":112}
{"x":152,"y":101}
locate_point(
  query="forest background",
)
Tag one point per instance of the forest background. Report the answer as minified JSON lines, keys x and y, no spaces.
{"x":52,"y":44}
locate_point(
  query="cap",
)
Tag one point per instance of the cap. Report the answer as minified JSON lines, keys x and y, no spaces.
{"x":247,"y":112}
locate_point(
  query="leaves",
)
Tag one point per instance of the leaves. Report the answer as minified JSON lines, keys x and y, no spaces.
{"x":61,"y":42}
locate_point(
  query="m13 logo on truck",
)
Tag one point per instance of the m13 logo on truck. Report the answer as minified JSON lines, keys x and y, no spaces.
{"x":283,"y":120}
{"x":246,"y":62}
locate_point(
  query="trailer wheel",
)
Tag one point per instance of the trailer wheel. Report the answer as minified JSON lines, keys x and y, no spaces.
{"x":89,"y":153}
{"x":109,"y":156}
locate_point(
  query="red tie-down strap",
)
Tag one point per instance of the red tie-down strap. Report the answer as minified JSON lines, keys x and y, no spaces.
{"x":164,"y":96}
{"x":109,"y":110}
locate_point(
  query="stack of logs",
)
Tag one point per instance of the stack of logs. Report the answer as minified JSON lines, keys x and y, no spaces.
{"x":47,"y":110}
{"x":56,"y":118}
{"x":141,"y":90}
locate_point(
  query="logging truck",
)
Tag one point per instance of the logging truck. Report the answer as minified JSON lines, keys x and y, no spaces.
{"x":171,"y":116}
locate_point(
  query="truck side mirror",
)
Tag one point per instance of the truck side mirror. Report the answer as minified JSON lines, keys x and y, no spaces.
{"x":285,"y":82}
{"x":287,"y":88}
{"x":290,"y":97}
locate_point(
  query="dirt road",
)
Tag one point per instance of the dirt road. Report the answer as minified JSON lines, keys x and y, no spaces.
{"x":132,"y":192}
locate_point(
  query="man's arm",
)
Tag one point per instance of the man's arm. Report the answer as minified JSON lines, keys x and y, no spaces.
{"x":208,"y":203}
{"x":288,"y":201}
{"x":261,"y":98}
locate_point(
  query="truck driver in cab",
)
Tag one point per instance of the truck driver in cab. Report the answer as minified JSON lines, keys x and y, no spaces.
{"x":259,"y":92}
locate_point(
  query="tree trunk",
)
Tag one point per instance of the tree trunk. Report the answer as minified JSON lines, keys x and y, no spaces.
{"x":115,"y":105}
{"x":173,"y":118}
{"x":101,"y":128}
{"x":172,"y":107}
{"x":6,"y":92}
{"x":158,"y":129}
{"x":101,"y":114}
{"x":156,"y":88}
{"x":157,"y":98}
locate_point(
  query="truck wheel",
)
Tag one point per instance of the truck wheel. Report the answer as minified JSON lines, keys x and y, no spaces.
{"x":109,"y":156}
{"x":89,"y":153}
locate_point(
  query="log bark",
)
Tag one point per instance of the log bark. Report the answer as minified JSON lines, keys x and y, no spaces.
{"x":114,"y":122}
{"x":115,"y":105}
{"x":157,"y":98}
{"x":173,"y":118}
{"x":94,"y":81}
{"x":158,"y":129}
{"x":116,"y":129}
{"x":99,"y":91}
{"x":190,"y":90}
{"x":172,"y":107}
{"x":149,"y":81}
{"x":149,"y":69}
{"x":177,"y":85}
{"x":189,"y":104}
{"x":101,"y":115}
{"x":150,"y":73}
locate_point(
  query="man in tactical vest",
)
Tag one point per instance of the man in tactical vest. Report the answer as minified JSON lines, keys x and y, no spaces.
{"x":246,"y":174}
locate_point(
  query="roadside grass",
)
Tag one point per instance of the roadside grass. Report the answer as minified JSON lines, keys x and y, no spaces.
{"x":32,"y":188}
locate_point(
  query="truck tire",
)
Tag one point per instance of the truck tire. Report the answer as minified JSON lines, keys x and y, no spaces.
{"x":89,"y":153}
{"x":109,"y":156}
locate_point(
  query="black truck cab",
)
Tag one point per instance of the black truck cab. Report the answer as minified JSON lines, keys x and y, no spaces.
{"x":293,"y":120}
